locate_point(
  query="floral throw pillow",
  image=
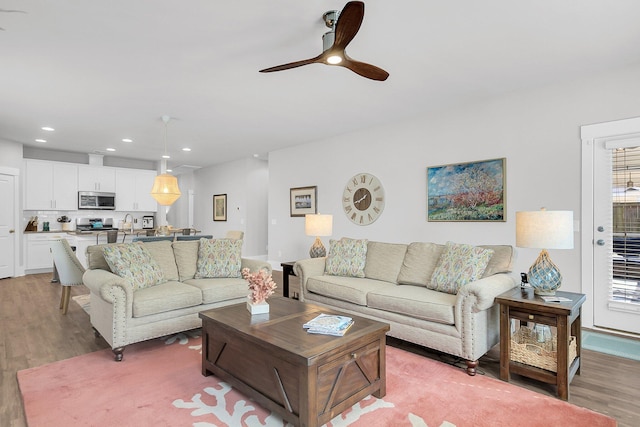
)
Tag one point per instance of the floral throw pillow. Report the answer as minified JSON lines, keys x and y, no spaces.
{"x":219,"y":258}
{"x":347,"y":257}
{"x":459,"y":264}
{"x":134,"y":263}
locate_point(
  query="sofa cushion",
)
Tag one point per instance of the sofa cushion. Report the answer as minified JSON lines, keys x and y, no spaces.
{"x":419,"y":263}
{"x":162,"y":252}
{"x":501,"y":260}
{"x":134,"y":263}
{"x":186,"y":253}
{"x":384,"y":261}
{"x":219,"y":258}
{"x":220,"y":289}
{"x":459,"y":264}
{"x":165,"y":297}
{"x":350,"y":289}
{"x":415,"y":301}
{"x":347,"y":257}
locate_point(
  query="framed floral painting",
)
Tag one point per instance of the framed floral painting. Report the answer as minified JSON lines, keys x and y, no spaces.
{"x":473,"y":191}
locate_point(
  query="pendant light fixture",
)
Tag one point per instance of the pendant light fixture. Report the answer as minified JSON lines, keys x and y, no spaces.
{"x":165,"y":187}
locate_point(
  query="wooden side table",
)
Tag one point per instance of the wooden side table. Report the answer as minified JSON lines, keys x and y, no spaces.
{"x":287,"y":270}
{"x":524,"y":306}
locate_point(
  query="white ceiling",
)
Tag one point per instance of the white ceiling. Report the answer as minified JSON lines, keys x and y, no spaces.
{"x":100,"y":71}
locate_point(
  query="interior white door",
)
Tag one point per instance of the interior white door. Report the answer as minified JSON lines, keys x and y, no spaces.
{"x":7,"y":231}
{"x":609,"y":310}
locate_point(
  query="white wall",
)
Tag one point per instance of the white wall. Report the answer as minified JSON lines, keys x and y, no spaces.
{"x":536,"y":130}
{"x":11,"y":154}
{"x":245,"y":182}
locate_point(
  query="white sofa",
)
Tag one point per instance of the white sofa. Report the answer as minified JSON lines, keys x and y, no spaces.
{"x":124,"y":315}
{"x":394,"y":290}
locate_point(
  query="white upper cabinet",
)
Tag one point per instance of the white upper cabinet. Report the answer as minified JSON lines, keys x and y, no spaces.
{"x":96,"y":178}
{"x":50,"y":185}
{"x":133,"y":190}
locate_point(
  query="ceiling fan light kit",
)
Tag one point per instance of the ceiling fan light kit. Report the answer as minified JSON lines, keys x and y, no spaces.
{"x":344,"y":27}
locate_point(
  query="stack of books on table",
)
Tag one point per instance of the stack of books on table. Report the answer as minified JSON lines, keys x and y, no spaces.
{"x":329,"y":324}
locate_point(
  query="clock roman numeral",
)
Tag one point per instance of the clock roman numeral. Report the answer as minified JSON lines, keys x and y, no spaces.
{"x":375,"y":208}
{"x":370,"y":217}
{"x":379,"y":199}
{"x":355,"y":181}
{"x":363,"y":179}
{"x":361,"y":218}
{"x":353,"y":216}
{"x":347,"y":209}
{"x":376,"y":189}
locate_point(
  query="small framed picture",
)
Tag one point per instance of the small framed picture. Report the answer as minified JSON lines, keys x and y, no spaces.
{"x":303,"y":200}
{"x":219,"y":207}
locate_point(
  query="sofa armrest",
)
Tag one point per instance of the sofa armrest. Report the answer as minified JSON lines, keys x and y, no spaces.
{"x":306,"y":268}
{"x":255,"y":265}
{"x":102,"y":282}
{"x":484,"y":291}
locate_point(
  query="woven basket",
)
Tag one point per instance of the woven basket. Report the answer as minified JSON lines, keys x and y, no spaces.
{"x":526,"y":349}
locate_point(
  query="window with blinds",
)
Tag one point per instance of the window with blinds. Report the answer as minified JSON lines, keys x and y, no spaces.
{"x":626,"y":225}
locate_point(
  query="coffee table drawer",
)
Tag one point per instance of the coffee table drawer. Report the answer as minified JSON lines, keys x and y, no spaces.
{"x":357,"y":371}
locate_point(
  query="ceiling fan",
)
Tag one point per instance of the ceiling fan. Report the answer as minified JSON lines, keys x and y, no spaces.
{"x":344,"y":27}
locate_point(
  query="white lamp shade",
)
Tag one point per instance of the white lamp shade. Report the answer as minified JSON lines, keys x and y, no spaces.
{"x":544,"y":229}
{"x":318,"y":225}
{"x":165,"y":189}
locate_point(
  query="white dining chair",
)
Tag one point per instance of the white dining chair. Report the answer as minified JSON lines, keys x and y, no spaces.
{"x":69,"y":269}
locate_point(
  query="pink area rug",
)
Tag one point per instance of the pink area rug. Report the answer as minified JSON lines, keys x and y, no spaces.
{"x":159,"y":383}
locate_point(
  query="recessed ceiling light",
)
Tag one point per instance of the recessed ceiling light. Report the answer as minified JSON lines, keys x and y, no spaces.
{"x":127,"y":140}
{"x":186,"y":149}
{"x":166,"y":156}
{"x":41,"y":140}
{"x":256,"y":155}
{"x":111,"y":149}
{"x":169,"y":170}
{"x":47,"y":128}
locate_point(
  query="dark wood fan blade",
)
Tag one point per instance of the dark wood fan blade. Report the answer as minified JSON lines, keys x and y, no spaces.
{"x":290,"y":65}
{"x":348,"y":24}
{"x":365,"y":70}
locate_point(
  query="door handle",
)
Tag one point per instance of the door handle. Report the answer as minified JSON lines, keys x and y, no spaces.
{"x":600,"y":242}
{"x":12,"y":231}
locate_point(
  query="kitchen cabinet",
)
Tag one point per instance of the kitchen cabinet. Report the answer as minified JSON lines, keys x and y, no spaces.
{"x":50,"y":185}
{"x":133,"y":190}
{"x":96,"y":178}
{"x":38,"y":253}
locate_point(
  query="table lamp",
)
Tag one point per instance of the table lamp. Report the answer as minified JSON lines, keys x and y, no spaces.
{"x":544,"y":230}
{"x":318,"y":225}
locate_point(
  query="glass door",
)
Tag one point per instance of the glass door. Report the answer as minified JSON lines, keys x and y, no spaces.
{"x":614,"y":251}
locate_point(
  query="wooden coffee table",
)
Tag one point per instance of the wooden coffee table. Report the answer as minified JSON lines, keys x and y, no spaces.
{"x":308,"y":379}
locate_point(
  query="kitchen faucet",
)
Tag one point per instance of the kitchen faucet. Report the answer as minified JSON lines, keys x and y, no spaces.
{"x":125,"y":221}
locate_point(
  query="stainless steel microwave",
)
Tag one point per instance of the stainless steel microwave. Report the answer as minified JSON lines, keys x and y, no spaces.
{"x":96,"y":201}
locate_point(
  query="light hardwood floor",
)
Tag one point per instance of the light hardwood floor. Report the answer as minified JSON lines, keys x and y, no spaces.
{"x":33,"y":332}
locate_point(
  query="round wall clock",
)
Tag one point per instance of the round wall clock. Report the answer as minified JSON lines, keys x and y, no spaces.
{"x":363,"y":199}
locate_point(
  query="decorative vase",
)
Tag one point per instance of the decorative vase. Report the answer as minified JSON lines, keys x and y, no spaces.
{"x":257,"y":308}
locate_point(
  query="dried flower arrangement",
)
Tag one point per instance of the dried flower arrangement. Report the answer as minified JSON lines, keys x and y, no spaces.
{"x":261,"y":285}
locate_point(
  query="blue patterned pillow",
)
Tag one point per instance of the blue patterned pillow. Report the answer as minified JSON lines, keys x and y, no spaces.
{"x":459,"y":264}
{"x":219,"y":258}
{"x":347,"y":257}
{"x":134,"y":263}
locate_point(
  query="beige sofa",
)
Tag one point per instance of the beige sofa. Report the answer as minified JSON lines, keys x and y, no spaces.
{"x":124,"y":315}
{"x":394,"y":290}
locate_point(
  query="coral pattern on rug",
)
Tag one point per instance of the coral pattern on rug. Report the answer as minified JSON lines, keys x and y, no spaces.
{"x":159,"y":383}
